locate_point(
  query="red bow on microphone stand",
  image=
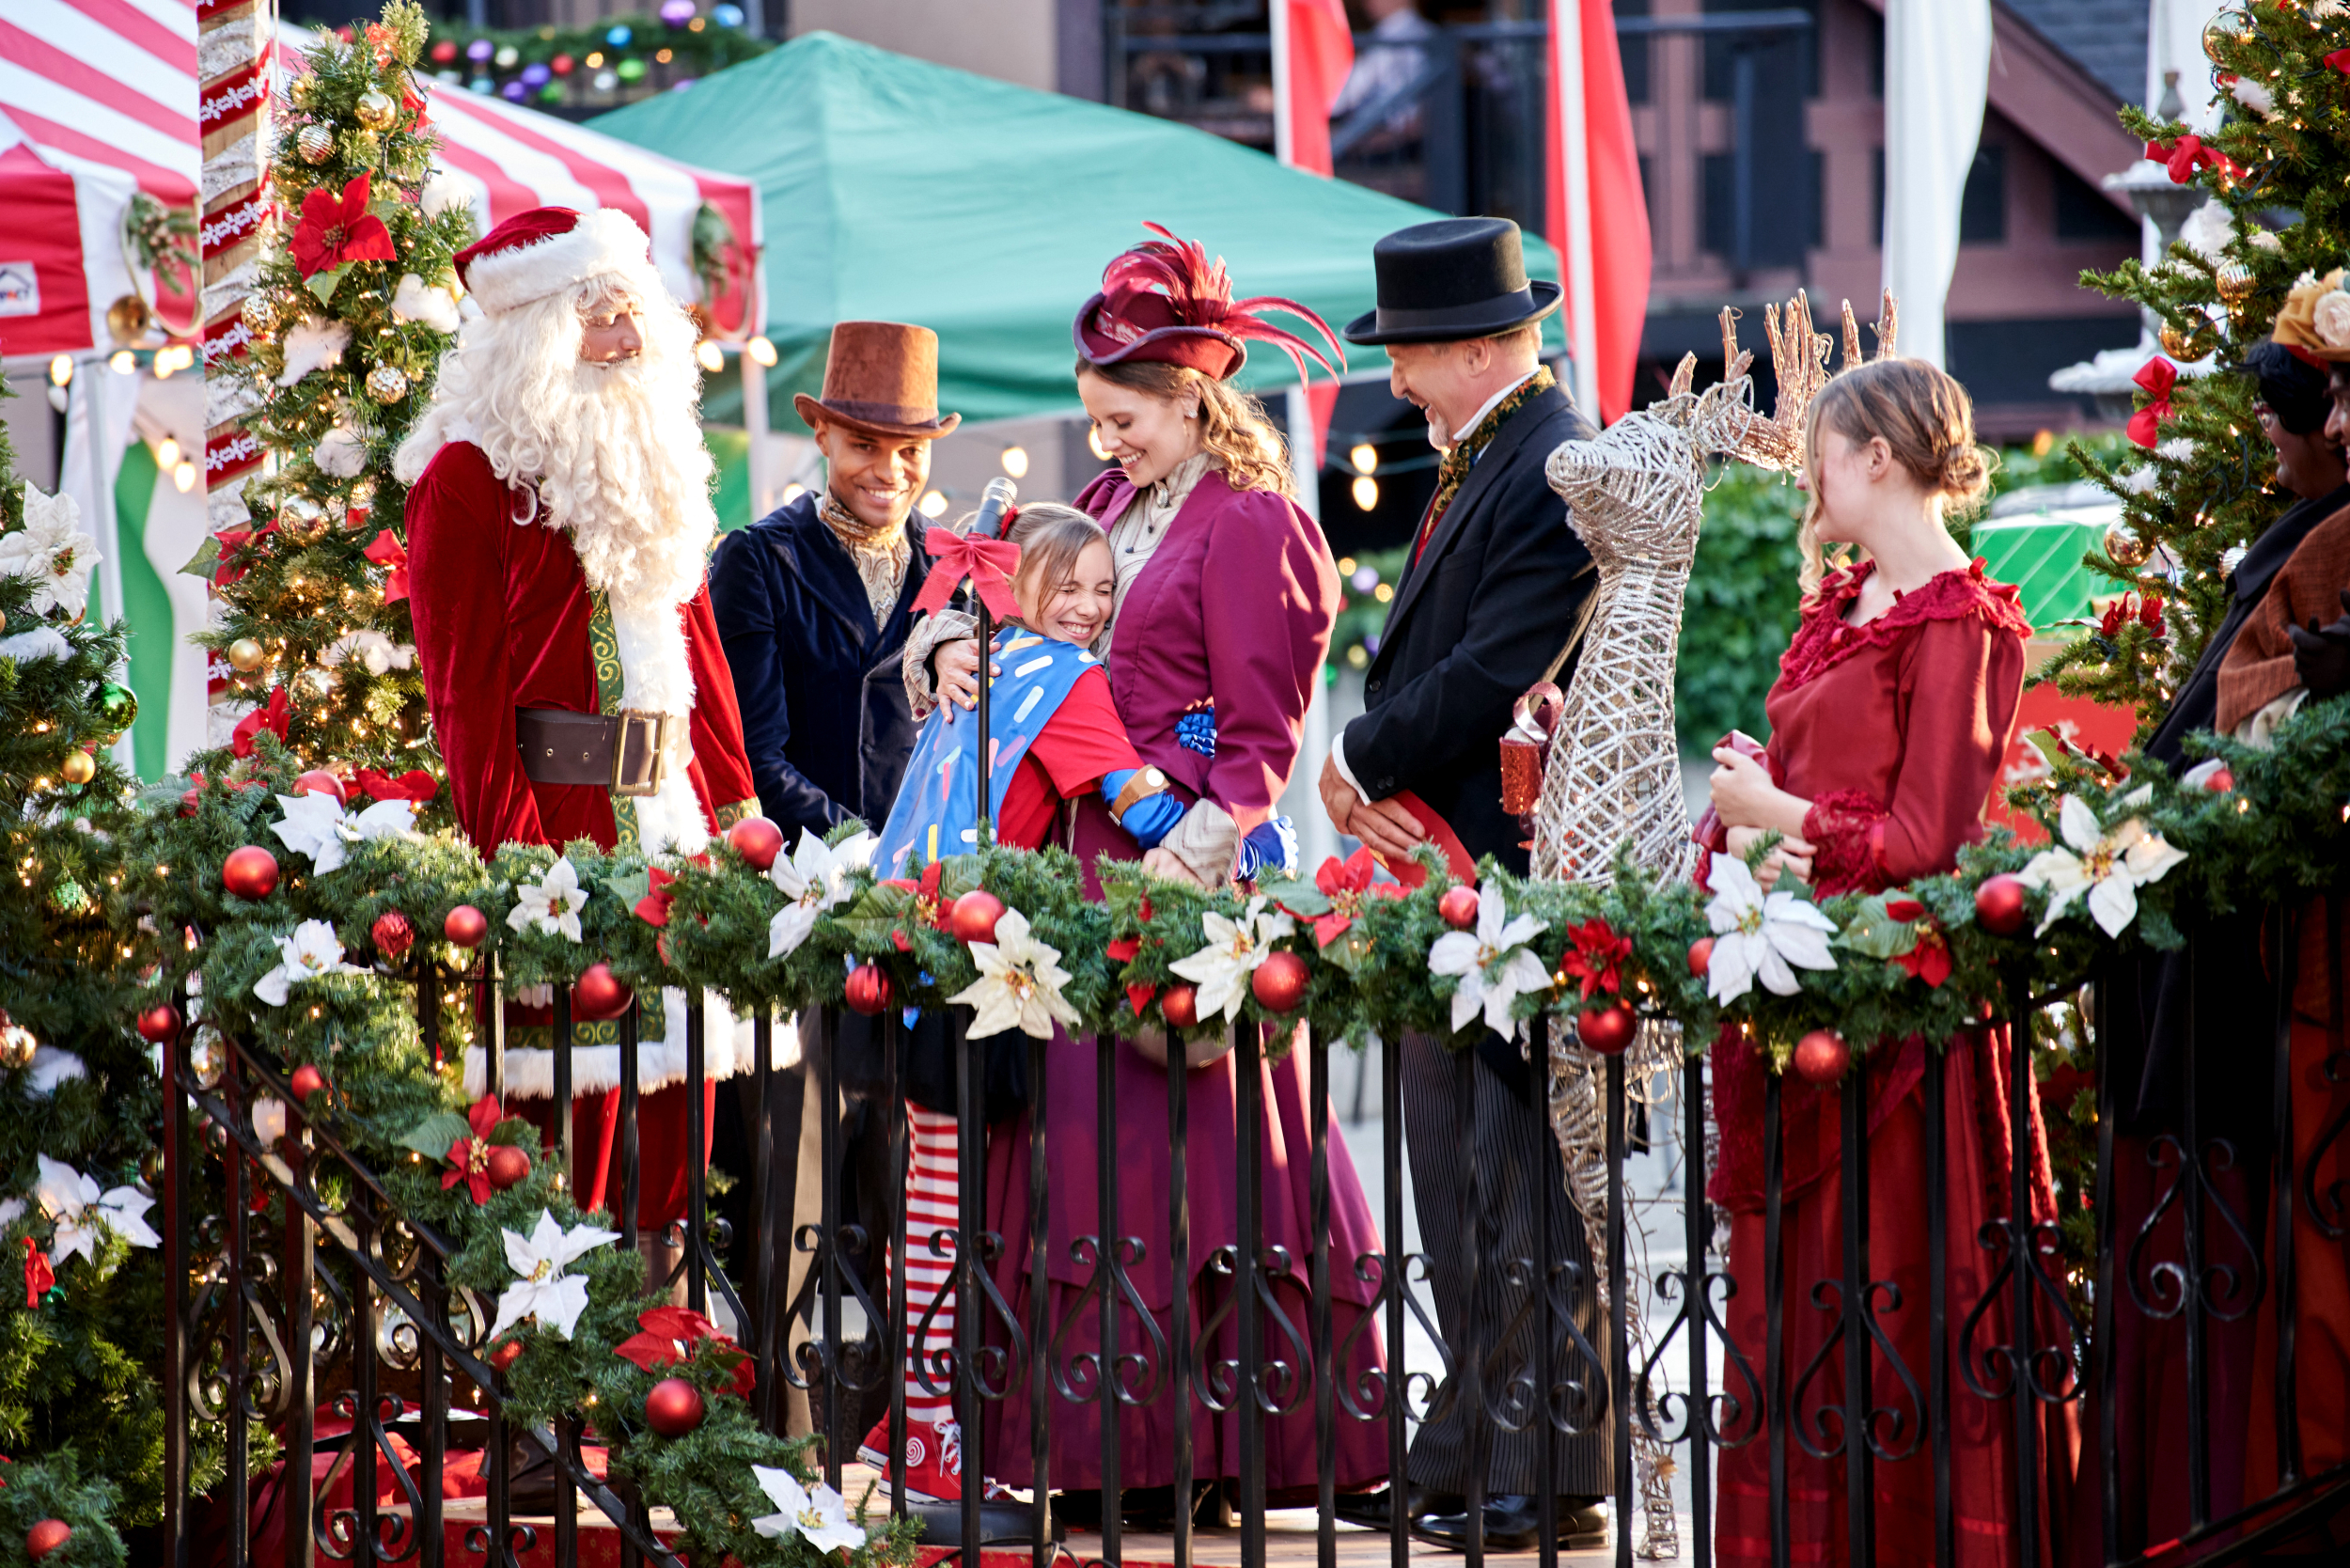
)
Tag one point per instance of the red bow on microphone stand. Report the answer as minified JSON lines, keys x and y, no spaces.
{"x":989,"y":563}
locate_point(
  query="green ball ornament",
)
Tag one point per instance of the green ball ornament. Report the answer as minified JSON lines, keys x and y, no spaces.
{"x":117,"y":706}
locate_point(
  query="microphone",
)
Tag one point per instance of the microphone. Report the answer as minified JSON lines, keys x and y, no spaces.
{"x":995,"y":501}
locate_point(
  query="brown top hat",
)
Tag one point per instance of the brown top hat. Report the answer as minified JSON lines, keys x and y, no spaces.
{"x":882,"y":377}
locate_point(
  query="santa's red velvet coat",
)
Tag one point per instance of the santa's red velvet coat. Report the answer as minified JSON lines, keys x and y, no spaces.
{"x":502,"y":615}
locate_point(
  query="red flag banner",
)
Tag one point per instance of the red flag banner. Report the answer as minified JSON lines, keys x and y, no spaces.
{"x":1313,"y":49}
{"x":1598,"y":216}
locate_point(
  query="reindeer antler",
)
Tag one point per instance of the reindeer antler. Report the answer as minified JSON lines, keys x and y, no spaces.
{"x":1887,"y":324}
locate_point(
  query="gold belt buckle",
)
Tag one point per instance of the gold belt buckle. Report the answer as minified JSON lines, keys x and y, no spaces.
{"x":658,"y":726}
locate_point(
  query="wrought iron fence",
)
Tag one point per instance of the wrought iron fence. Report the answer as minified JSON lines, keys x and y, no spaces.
{"x":291,"y":1267}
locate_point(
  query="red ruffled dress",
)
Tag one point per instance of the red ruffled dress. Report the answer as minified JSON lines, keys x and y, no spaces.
{"x":1894,"y":730}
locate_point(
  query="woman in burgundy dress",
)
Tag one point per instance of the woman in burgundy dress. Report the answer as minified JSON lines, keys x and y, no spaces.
{"x":1893,"y":709}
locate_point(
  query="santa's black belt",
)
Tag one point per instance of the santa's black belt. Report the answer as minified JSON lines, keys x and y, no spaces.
{"x":625,"y":752}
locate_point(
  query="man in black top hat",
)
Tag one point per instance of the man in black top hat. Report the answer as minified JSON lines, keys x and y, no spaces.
{"x":1493,"y":596}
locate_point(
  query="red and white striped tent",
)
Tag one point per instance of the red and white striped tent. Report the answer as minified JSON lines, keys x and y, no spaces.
{"x":98,"y":99}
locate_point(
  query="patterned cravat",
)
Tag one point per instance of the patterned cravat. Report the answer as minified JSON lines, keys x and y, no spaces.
{"x":1457,"y":462}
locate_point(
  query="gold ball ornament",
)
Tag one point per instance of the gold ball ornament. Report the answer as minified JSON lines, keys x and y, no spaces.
{"x":2124,"y":547}
{"x":128,"y":320}
{"x":2235,"y":283}
{"x":17,"y":1046}
{"x":206,"y":1057}
{"x":300,"y":91}
{"x":4,"y":620}
{"x":260,"y":315}
{"x":245,"y":654}
{"x":314,"y":143}
{"x":376,"y":109}
{"x":300,"y":517}
{"x":2187,"y":345}
{"x":387,"y":383}
{"x":79,"y":767}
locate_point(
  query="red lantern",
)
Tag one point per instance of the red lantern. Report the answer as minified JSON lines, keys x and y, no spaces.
{"x":1181,"y":1006}
{"x":1458,"y":907}
{"x":1999,"y":904}
{"x":393,"y":934}
{"x":506,"y":1355}
{"x":46,"y":1537}
{"x":600,"y":994}
{"x":674,"y":1408}
{"x":507,"y":1164}
{"x":308,"y":1080}
{"x":1700,"y":955}
{"x":1607,"y":1030}
{"x":318,"y":781}
{"x":1279,"y":982}
{"x":159,"y":1023}
{"x":974,"y":915}
{"x":868,"y":989}
{"x":757,"y":840}
{"x":465,"y":926}
{"x":250,"y":872}
{"x":1822,"y":1056}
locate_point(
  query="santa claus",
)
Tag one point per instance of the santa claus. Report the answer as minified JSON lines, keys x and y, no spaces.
{"x":559,"y":521}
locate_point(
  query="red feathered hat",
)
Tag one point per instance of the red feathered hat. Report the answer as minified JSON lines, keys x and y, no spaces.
{"x":1165,"y":301}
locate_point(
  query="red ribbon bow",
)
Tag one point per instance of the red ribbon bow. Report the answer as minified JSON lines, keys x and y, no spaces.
{"x":415,"y":785}
{"x":232,"y":540}
{"x":339,"y":229}
{"x":387,"y":551}
{"x":272,"y":718}
{"x":988,"y":562}
{"x":654,"y":908}
{"x":38,"y":1275}
{"x":669,"y":1336}
{"x":2156,"y":376}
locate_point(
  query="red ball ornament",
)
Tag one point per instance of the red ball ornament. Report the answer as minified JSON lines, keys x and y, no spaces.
{"x":46,"y":1537}
{"x":757,"y":840}
{"x":465,"y":926}
{"x":507,"y":1164}
{"x":308,"y":1080}
{"x":159,"y":1023}
{"x":599,"y":994}
{"x":506,"y":1353}
{"x":1181,"y":1006}
{"x":191,"y":801}
{"x":250,"y":872}
{"x":1281,"y":981}
{"x":1700,"y":955}
{"x":318,"y":781}
{"x":1607,"y":1030}
{"x":974,"y":915}
{"x":1999,"y":904}
{"x":393,"y":934}
{"x":2220,"y":781}
{"x":1822,"y":1056}
{"x":674,"y":1408}
{"x":868,"y":989}
{"x":1458,"y":907}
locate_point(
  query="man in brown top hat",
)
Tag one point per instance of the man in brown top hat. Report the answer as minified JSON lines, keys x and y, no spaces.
{"x":812,"y":607}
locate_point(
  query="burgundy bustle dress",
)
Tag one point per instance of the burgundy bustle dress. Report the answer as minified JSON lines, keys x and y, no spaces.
{"x":1894,"y":730}
{"x":1231,"y":618}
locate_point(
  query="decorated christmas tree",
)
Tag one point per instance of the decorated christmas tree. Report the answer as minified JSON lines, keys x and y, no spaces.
{"x":2277,"y":176}
{"x":81,"y":1414}
{"x":348,"y":318}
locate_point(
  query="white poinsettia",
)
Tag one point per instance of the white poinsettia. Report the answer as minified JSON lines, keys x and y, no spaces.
{"x":2107,"y":865}
{"x":1019,"y":985}
{"x":317,"y":826}
{"x":540,"y":1288}
{"x":84,"y":1213}
{"x":814,"y":878}
{"x":1493,"y":963}
{"x":311,"y":951}
{"x":816,"y":1514}
{"x":1235,"y":949}
{"x":550,"y":904}
{"x":1759,"y":936}
{"x":52,"y":551}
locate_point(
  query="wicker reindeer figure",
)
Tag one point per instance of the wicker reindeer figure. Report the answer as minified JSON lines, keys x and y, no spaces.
{"x":1634,"y":497}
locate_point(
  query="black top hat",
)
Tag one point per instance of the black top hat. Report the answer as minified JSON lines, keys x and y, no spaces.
{"x":1455,"y":278}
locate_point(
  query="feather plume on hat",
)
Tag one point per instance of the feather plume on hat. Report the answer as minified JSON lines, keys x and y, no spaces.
{"x":1173,"y":278}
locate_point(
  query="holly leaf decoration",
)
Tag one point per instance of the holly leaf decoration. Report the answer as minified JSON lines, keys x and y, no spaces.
{"x":432,"y":1137}
{"x":206,"y":560}
{"x":1301,"y":898}
{"x":1874,"y":932}
{"x":631,"y":890}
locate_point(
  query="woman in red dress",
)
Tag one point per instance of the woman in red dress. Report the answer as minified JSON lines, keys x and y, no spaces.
{"x":1893,"y":711}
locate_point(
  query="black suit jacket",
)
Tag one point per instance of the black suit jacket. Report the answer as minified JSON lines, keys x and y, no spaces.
{"x":1501,"y":588}
{"x":825,"y":718}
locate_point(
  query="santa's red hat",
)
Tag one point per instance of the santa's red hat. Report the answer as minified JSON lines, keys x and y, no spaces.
{"x":548,"y":249}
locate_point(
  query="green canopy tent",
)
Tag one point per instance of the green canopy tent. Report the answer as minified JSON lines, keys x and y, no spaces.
{"x":905,"y":191}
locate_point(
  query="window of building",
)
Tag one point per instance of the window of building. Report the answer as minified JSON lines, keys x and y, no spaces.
{"x":1634,"y":51}
{"x":2083,"y":212}
{"x":1982,"y":208}
{"x":1777,"y":52}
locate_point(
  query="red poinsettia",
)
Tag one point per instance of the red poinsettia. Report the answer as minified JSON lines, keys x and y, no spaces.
{"x":381,"y":42}
{"x":272,"y":718}
{"x":38,"y":1275}
{"x":415,"y":785}
{"x":1597,"y":957}
{"x":1346,"y":883}
{"x":654,"y":908}
{"x":668,"y":1336}
{"x":231,"y":542}
{"x":387,"y":551}
{"x":337,"y":231}
{"x":469,"y":1158}
{"x":930,"y":904}
{"x":1929,"y":957}
{"x":2150,"y":614}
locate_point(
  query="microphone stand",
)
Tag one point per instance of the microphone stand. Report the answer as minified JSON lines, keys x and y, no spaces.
{"x":986,"y":835}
